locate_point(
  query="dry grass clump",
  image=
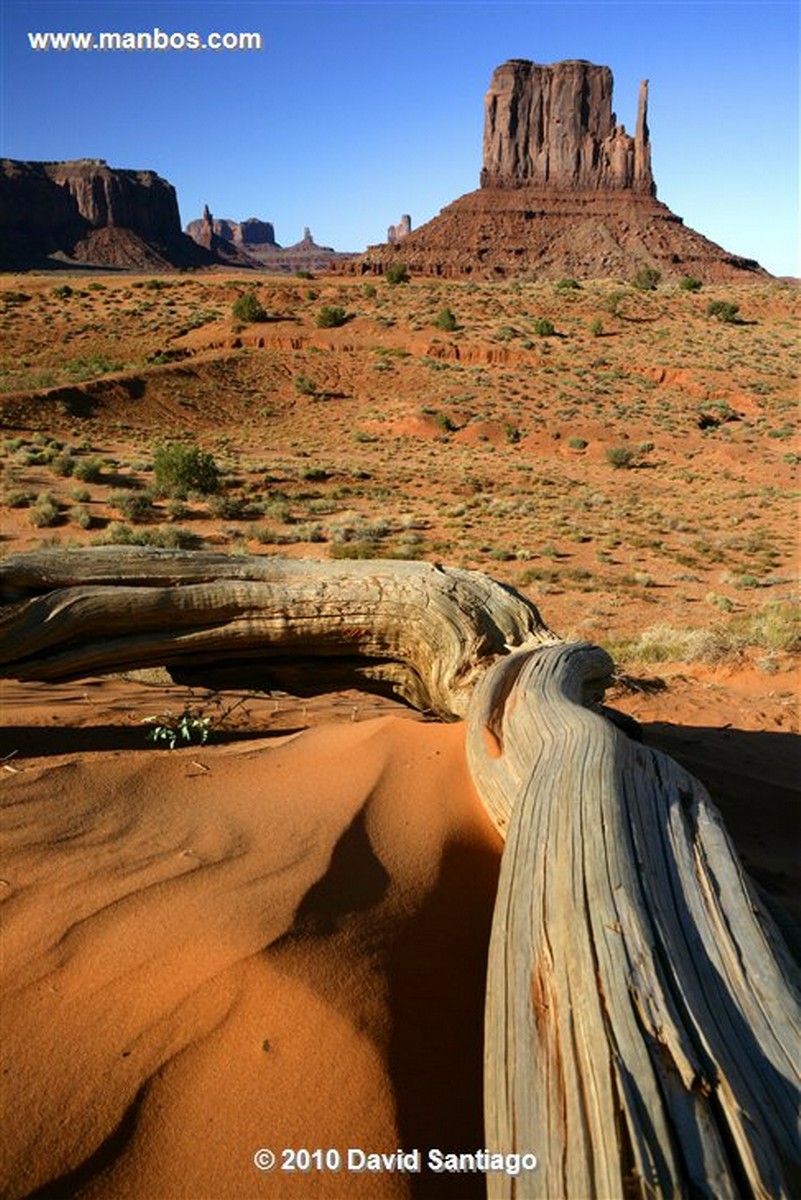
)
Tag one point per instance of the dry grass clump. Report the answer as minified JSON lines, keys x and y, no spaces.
{"x":775,"y":627}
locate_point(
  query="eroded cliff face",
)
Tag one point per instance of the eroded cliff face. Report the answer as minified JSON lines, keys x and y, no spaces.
{"x":60,"y":208}
{"x":553,"y":126}
{"x":105,"y":196}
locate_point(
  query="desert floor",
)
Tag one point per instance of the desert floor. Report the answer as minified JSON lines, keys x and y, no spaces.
{"x":278,"y":938}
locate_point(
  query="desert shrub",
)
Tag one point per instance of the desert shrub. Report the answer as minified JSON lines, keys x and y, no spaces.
{"x":165,"y":537}
{"x":577,"y":443}
{"x":62,"y":291}
{"x":304,"y":275}
{"x":543,"y":327}
{"x":248,"y":307}
{"x":87,"y":470}
{"x":305,"y":386}
{"x":596,"y":327}
{"x":81,"y":516}
{"x":135,"y":506}
{"x":331,"y":316}
{"x":80,"y":369}
{"x":19,"y":499}
{"x":619,"y":456}
{"x":396,"y":273}
{"x":234,"y":508}
{"x":688,"y":283}
{"x":567,"y":285}
{"x":369,"y":291}
{"x":179,"y":469}
{"x":45,"y":511}
{"x":646,"y":279}
{"x":63,"y":463}
{"x":446,"y":320}
{"x":724,"y":310}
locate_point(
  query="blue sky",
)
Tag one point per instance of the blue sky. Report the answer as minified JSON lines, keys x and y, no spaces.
{"x":353,"y":113}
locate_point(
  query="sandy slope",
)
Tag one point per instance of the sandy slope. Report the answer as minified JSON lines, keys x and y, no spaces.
{"x":269,"y":944}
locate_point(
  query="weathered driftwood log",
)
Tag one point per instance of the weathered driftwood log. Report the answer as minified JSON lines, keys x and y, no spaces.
{"x":422,"y":632}
{"x":642,"y":1019}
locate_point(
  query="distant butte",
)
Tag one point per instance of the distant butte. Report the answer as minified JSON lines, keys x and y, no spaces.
{"x":565,"y":191}
{"x":252,"y":243}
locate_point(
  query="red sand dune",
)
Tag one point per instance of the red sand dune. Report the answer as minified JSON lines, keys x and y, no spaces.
{"x":272,"y":944}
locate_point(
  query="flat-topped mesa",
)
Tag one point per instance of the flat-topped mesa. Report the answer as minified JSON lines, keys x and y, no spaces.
{"x":553,"y":127}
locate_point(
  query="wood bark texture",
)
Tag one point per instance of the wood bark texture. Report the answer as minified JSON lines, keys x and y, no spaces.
{"x":642,"y":1016}
{"x":421,"y":632}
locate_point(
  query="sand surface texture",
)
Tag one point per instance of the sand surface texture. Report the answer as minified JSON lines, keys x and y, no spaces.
{"x":268,"y":944}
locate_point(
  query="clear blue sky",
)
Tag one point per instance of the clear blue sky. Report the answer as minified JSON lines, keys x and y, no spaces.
{"x":354,"y":113}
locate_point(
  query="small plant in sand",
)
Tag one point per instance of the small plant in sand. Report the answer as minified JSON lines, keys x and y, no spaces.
{"x":248,"y":307}
{"x":193,"y":724}
{"x":543,"y":327}
{"x":179,"y":469}
{"x":446,"y":320}
{"x":688,"y":283}
{"x":187,"y":726}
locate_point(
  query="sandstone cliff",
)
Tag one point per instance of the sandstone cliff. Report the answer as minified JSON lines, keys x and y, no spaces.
{"x":60,"y":209}
{"x":565,"y":191}
{"x":554,"y":126}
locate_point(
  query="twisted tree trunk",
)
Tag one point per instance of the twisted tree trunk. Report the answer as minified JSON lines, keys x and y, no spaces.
{"x":642,"y":1019}
{"x":421,"y":632}
{"x":642,"y":1026}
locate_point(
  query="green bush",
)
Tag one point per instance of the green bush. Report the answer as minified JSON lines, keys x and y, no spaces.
{"x":690,"y":284}
{"x":397,"y":273}
{"x":619,"y":456}
{"x":577,"y":443}
{"x":331,"y":316}
{"x":446,"y":320}
{"x":305,"y":386}
{"x":543,"y":327}
{"x":596,"y":327}
{"x":724,"y":310}
{"x":567,"y":285}
{"x":646,"y":279}
{"x":248,"y":307}
{"x":179,"y":469}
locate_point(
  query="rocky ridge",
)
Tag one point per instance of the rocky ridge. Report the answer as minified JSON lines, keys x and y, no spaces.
{"x":565,"y":192}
